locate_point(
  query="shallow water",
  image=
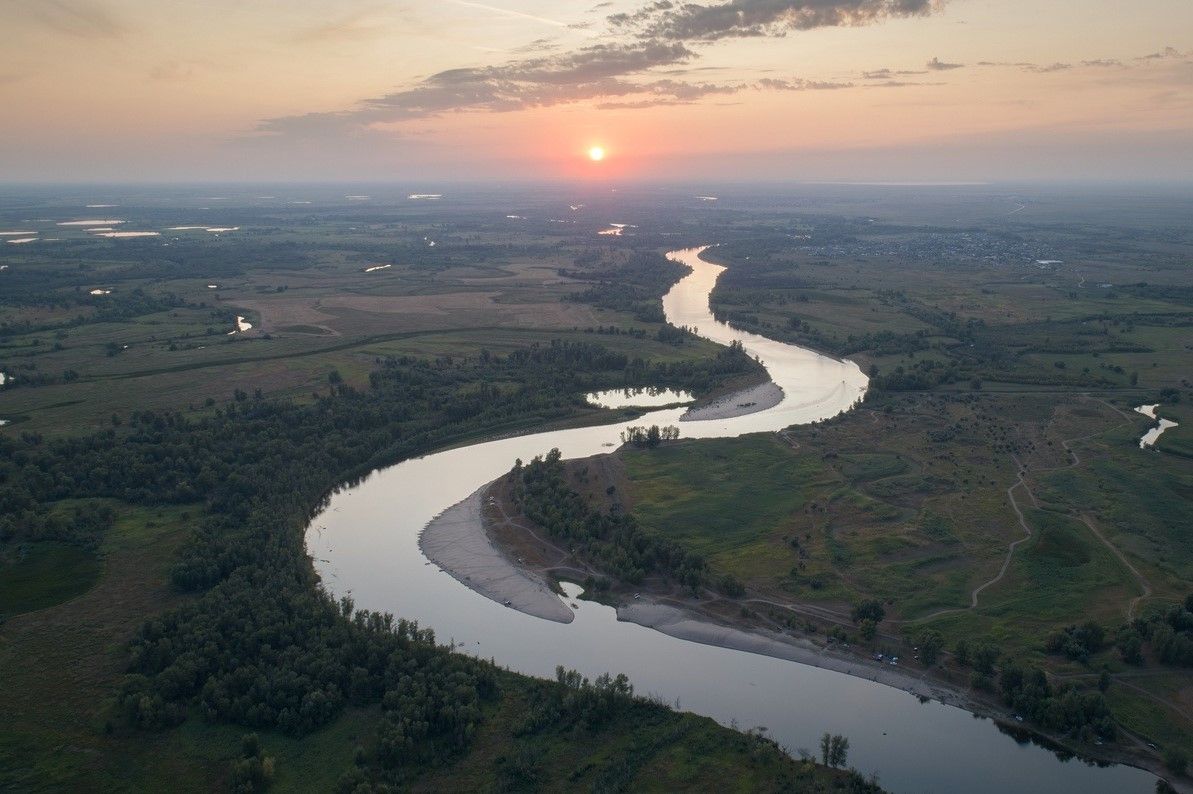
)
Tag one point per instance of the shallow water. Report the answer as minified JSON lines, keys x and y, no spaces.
{"x":365,"y":543}
{"x":1150,"y":438}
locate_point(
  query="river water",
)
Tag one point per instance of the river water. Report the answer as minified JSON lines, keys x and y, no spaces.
{"x":365,"y":544}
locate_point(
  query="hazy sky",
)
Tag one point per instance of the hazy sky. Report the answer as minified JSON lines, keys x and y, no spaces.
{"x":454,"y":89}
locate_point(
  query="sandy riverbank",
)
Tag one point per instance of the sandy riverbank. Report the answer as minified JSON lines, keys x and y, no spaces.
{"x":456,"y":541}
{"x":686,"y":625}
{"x":739,"y":403}
{"x":459,"y":541}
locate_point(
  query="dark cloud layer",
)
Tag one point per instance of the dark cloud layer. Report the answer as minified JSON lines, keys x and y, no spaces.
{"x":657,"y":37}
{"x":589,"y":73}
{"x":672,"y":21}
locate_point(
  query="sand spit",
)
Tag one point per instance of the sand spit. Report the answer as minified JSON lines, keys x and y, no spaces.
{"x":684,"y":625}
{"x":747,"y":401}
{"x":456,"y":541}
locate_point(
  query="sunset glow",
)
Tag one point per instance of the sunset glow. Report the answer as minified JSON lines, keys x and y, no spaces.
{"x":815,"y":88}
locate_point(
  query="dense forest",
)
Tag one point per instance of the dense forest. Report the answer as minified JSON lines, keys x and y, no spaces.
{"x":612,"y":541}
{"x":260,"y":644}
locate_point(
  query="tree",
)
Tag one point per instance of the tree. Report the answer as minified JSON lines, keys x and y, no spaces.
{"x":1176,"y":760}
{"x":930,"y":643}
{"x":961,"y":653}
{"x":870,"y":609}
{"x":834,"y":749}
{"x":1130,"y":646}
{"x":732,"y":586}
{"x":984,"y":657}
{"x":839,"y":751}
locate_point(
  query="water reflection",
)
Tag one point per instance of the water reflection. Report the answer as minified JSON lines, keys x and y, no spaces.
{"x":365,"y":543}
{"x":638,"y":398}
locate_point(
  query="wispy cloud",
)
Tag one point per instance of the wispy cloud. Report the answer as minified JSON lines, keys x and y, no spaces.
{"x":1168,"y":54}
{"x":78,"y":18}
{"x":509,"y":12}
{"x":1164,"y":54}
{"x":798,"y":84}
{"x":887,"y":74}
{"x":1048,"y":67}
{"x":592,"y":72}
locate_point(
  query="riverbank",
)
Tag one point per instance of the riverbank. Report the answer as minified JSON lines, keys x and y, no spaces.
{"x":471,"y":541}
{"x":457,"y":542}
{"x":480,"y":544}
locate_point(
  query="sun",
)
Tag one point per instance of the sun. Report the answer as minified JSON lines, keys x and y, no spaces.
{"x":596,"y":154}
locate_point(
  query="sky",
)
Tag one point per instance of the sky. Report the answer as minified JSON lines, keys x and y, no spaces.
{"x":452,"y":90}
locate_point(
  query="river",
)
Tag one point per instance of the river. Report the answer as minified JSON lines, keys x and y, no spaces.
{"x":365,"y":544}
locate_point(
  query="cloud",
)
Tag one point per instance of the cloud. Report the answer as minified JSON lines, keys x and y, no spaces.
{"x":83,"y":19}
{"x":1047,"y":68}
{"x":507,"y":12}
{"x":671,"y":21}
{"x":887,"y":74}
{"x":798,"y":84}
{"x":1167,"y":52}
{"x":592,"y":72}
{"x":898,"y":84}
{"x":1140,"y":62}
{"x":617,"y":74}
{"x":937,"y":65}
{"x":666,"y":93}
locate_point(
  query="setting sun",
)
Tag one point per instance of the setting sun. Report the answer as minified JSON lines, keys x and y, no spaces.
{"x":596,"y":154}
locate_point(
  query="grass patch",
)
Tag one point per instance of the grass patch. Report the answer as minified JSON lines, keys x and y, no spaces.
{"x":39,"y":575}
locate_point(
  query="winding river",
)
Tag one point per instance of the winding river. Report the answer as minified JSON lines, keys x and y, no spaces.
{"x":365,"y":544}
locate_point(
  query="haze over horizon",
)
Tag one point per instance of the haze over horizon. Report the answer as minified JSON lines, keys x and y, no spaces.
{"x":801,"y":90}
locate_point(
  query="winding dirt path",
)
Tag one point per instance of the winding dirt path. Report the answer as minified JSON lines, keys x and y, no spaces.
{"x":1144,"y":585}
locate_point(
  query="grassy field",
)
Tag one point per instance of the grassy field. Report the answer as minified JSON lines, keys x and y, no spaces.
{"x":40,"y":575}
{"x":909,"y":505}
